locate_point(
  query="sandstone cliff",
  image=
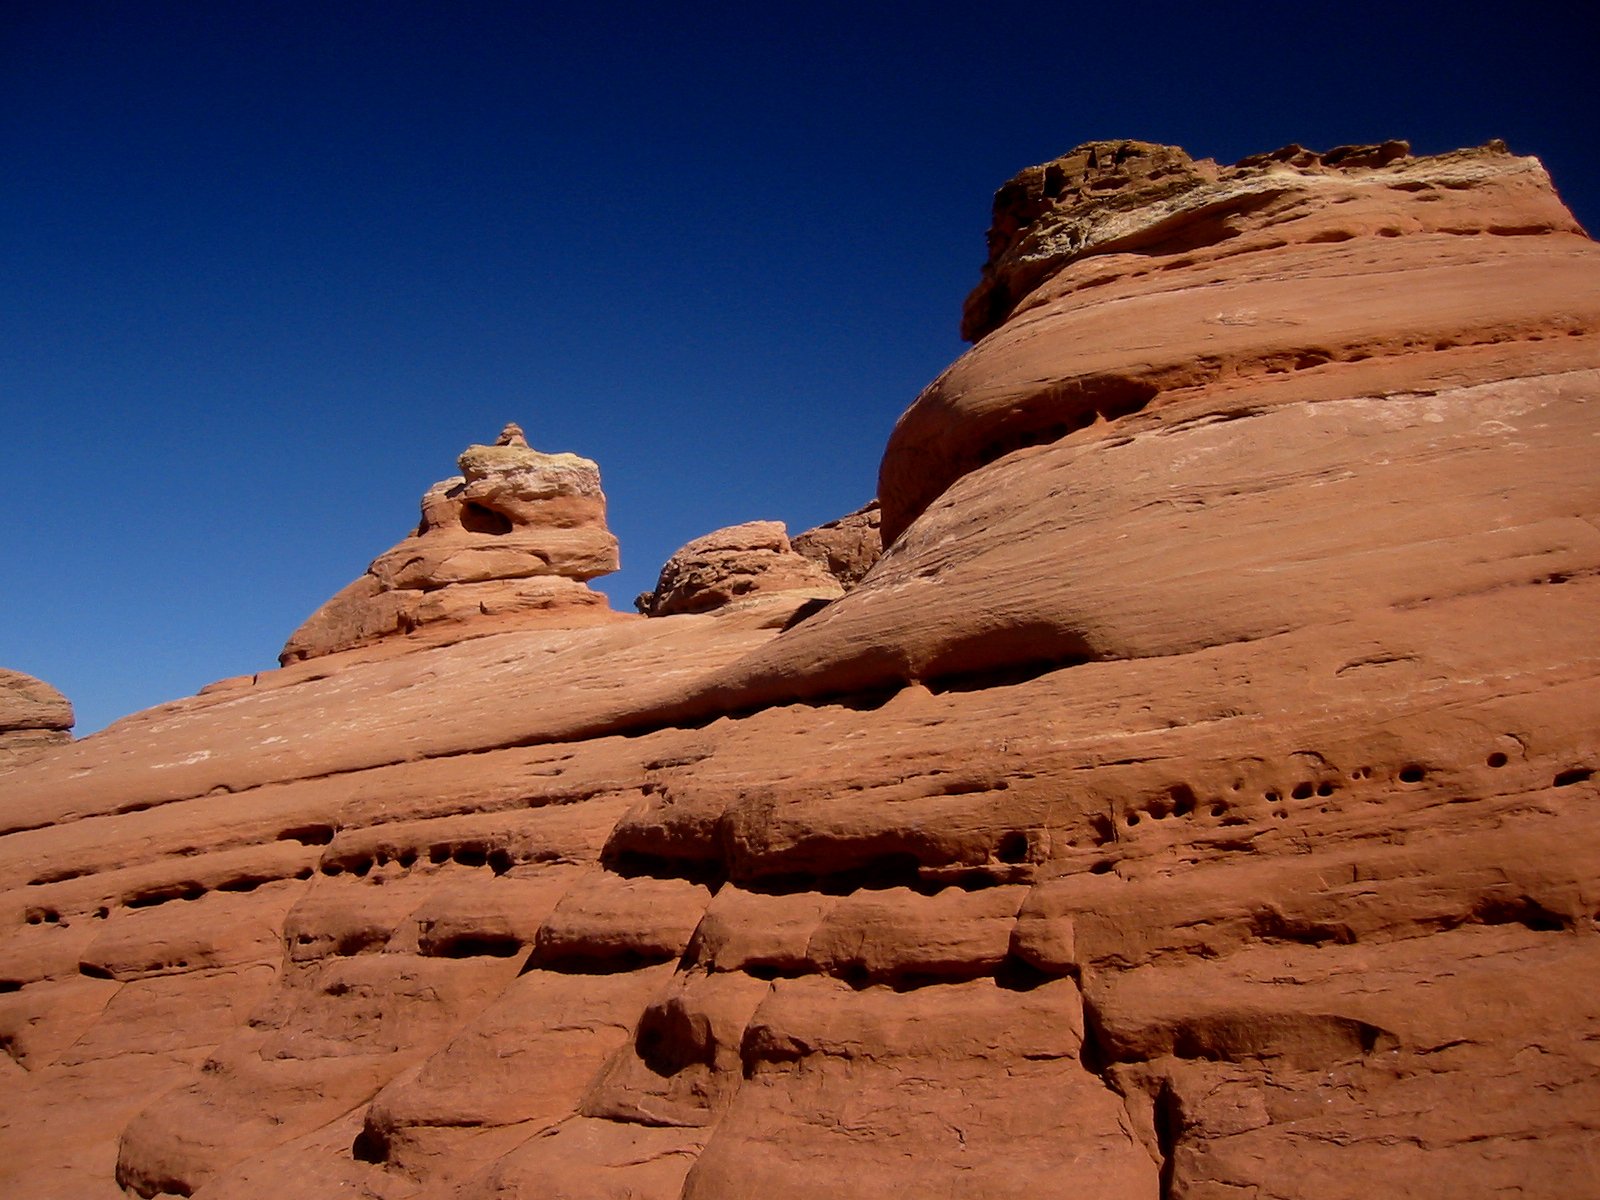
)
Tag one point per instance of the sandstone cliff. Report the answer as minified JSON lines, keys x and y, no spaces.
{"x":1197,"y":799}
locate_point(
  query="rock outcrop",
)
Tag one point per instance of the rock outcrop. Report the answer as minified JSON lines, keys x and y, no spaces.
{"x":34,"y":718}
{"x":847,"y":547}
{"x":740,"y":563}
{"x":511,"y":541}
{"x":1197,"y":798}
{"x":1126,"y":279}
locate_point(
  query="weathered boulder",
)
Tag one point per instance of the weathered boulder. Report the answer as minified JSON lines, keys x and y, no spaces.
{"x":741,"y":562}
{"x":509,"y":541}
{"x":34,"y":718}
{"x":846,"y":547}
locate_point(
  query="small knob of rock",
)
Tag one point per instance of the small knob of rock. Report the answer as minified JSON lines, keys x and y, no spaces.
{"x":511,"y":435}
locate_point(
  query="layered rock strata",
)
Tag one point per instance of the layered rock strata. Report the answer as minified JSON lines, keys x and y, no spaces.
{"x":1196,"y":800}
{"x":512,"y":540}
{"x":740,"y":563}
{"x":34,"y":718}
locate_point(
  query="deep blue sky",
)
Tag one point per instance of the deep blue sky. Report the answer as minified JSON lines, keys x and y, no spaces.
{"x":266,"y":268}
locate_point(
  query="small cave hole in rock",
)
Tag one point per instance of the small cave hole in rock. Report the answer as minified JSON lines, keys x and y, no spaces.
{"x":1324,"y":789}
{"x":1496,"y":759}
{"x":1015,"y":975}
{"x":1303,"y":791}
{"x":1412,"y":774}
{"x":1183,"y":800}
{"x":1131,"y":820}
{"x":500,"y":861}
{"x":308,"y":835}
{"x":1271,"y":797}
{"x":1566,"y":779}
{"x":369,"y":1148}
{"x":476,"y":945}
{"x":856,"y":976}
{"x":1013,"y":847}
{"x":1218,"y":810}
{"x":475,"y":518}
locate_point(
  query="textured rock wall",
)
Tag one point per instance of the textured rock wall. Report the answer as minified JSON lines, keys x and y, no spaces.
{"x":735,"y":565}
{"x":509,"y":542}
{"x":1197,"y":799}
{"x":34,"y":718}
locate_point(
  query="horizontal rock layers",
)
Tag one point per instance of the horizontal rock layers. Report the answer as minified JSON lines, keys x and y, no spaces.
{"x":34,"y":717}
{"x":510,"y":541}
{"x":1187,"y":289}
{"x":1196,"y":800}
{"x":740,"y":563}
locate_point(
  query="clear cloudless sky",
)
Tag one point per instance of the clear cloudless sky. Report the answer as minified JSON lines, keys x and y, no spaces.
{"x":267,"y":266}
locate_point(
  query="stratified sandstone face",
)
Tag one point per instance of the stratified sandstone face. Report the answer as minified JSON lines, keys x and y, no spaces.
{"x":740,"y":563}
{"x":511,"y":540}
{"x":1198,"y":798}
{"x":1125,"y":279}
{"x":34,"y":718}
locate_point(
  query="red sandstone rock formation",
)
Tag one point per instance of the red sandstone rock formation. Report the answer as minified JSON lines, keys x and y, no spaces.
{"x":846,"y":547}
{"x":34,"y":717}
{"x":740,"y":563}
{"x":1196,"y":800}
{"x":510,"y":541}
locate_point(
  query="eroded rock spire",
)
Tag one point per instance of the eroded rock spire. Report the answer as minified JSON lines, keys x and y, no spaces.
{"x":513,"y":539}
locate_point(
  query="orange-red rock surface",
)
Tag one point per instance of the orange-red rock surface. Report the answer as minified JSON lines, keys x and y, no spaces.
{"x":847,"y":547}
{"x":511,"y":541}
{"x":741,"y":563}
{"x":1197,"y":799}
{"x":34,"y":718}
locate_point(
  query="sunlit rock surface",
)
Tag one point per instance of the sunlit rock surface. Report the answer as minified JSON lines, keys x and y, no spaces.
{"x":508,"y":543}
{"x":738,"y":564}
{"x":34,"y":718}
{"x":1197,"y":799}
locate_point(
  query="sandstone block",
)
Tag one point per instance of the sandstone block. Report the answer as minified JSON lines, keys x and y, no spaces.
{"x":741,"y":562}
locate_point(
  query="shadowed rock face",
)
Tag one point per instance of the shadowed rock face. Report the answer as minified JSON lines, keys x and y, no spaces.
{"x":509,"y":542}
{"x":1196,"y":800}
